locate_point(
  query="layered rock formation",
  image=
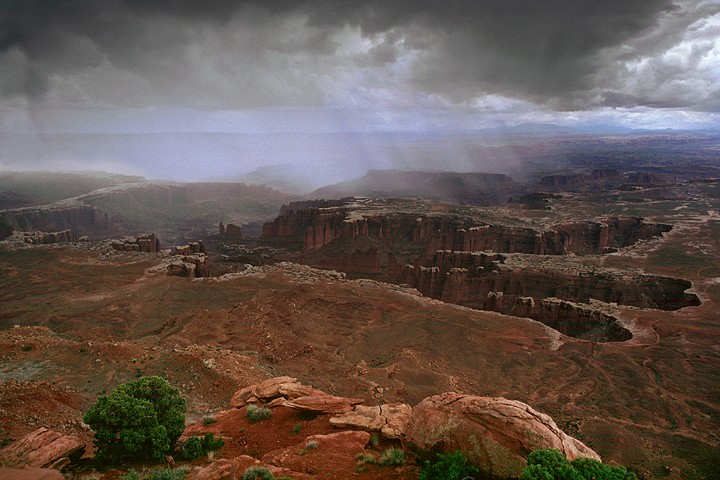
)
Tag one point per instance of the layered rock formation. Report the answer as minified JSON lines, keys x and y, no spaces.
{"x":466,"y":278}
{"x":45,"y":238}
{"x":580,"y":238}
{"x":318,"y":226}
{"x":451,"y":258}
{"x":189,"y":261}
{"x":192,"y":248}
{"x":71,"y":216}
{"x":141,"y":243}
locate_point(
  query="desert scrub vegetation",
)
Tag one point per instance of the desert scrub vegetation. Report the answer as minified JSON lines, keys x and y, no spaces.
{"x":452,"y":466}
{"x":141,"y":419}
{"x":208,"y":420}
{"x":392,"y":456}
{"x":552,"y":464}
{"x":310,"y":445}
{"x":196,"y":447}
{"x":257,"y":473}
{"x":160,"y":474}
{"x":256,"y":414}
{"x":365,"y":459}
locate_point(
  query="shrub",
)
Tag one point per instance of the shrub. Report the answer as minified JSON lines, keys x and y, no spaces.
{"x":374,"y":440}
{"x":139,"y":419}
{"x":551,"y":464}
{"x":195,"y":447}
{"x":310,"y":445}
{"x":208,"y":420}
{"x":255,"y":413}
{"x":168,"y":474}
{"x":131,"y":475}
{"x":591,"y":469}
{"x":363,"y":460}
{"x":297,"y":428}
{"x":257,"y":473}
{"x":452,"y":466}
{"x":392,"y":456}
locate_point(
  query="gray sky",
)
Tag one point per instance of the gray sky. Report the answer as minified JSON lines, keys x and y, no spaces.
{"x":266,"y":66}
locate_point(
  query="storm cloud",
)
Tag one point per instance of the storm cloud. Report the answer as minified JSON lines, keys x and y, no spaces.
{"x":559,"y":55}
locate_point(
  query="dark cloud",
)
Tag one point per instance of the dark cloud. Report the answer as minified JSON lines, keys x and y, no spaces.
{"x":223,"y":53}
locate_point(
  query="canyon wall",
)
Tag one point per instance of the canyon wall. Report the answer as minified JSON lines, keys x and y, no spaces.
{"x":465,"y":278}
{"x":83,"y":219}
{"x":580,"y":238}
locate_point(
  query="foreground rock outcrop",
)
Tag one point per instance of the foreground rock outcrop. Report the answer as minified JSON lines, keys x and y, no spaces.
{"x":42,"y":448}
{"x":495,"y":434}
{"x":30,"y":474}
{"x":390,"y":419}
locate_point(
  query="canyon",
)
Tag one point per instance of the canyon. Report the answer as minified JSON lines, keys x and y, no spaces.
{"x":602,"y":318}
{"x":444,"y":256}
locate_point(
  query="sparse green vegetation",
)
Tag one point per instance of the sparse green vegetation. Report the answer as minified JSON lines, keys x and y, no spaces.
{"x":374,"y":440}
{"x":452,"y":466}
{"x":139,"y":419}
{"x":310,"y":445}
{"x":208,"y":420}
{"x":160,"y":474}
{"x":365,"y":459}
{"x":551,"y":464}
{"x":297,"y":428}
{"x":256,"y":414}
{"x":131,"y":475}
{"x":392,"y":456}
{"x":257,"y":473}
{"x":196,"y":447}
{"x":168,"y":474}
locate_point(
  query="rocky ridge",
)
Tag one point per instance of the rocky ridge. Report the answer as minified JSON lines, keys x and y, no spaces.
{"x":496,"y":434}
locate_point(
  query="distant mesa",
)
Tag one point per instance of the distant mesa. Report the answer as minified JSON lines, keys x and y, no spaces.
{"x":607,"y":178}
{"x":472,"y":188}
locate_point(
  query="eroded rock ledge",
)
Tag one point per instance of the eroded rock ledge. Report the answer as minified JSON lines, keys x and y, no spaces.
{"x":495,"y":434}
